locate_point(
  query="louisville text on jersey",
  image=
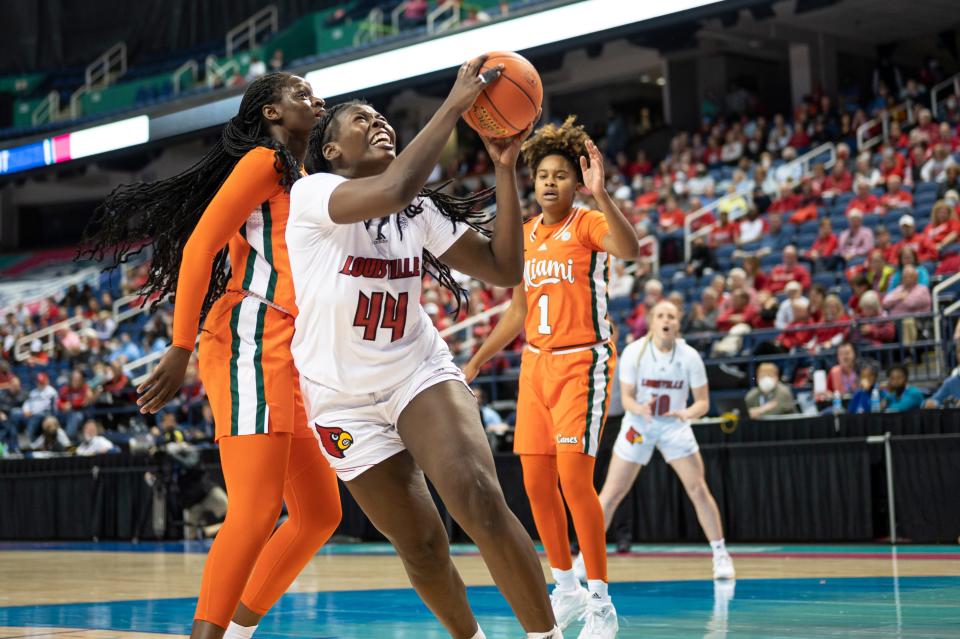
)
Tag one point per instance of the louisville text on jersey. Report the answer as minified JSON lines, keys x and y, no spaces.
{"x":378,"y":268}
{"x":662,"y":383}
{"x":536,"y":272}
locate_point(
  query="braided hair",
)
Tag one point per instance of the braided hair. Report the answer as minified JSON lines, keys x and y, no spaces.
{"x":459,"y":210}
{"x":568,"y":140}
{"x":163,"y":214}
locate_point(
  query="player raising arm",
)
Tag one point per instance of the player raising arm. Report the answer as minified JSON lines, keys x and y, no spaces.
{"x":379,"y":383}
{"x":568,"y":364}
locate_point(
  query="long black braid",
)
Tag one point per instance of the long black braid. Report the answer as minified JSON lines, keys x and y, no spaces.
{"x":163,"y":214}
{"x":459,"y":210}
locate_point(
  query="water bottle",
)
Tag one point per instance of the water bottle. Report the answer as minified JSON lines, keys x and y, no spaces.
{"x":837,"y":403}
{"x":875,"y":401}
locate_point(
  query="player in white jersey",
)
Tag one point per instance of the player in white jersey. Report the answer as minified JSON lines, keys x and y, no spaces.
{"x":380,"y":387}
{"x":657,"y":374}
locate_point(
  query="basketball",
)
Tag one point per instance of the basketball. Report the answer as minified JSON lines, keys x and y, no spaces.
{"x":511,"y":102}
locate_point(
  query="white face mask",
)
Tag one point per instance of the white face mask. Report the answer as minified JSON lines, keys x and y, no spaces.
{"x":766,"y":384}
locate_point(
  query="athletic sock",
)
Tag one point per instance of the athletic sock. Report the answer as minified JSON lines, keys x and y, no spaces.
{"x":553,"y":633}
{"x":719,"y":548}
{"x":236,"y":631}
{"x":598,"y":591}
{"x":565,"y":579}
{"x":479,"y":634}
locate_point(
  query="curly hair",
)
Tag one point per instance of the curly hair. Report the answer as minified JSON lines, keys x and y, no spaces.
{"x":459,"y":210}
{"x":568,"y":140}
{"x":162,"y":215}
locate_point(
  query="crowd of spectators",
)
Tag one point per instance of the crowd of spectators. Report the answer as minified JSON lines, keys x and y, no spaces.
{"x":791,"y":264}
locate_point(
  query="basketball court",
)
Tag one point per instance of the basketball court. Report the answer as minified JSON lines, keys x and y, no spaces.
{"x":148,"y":590}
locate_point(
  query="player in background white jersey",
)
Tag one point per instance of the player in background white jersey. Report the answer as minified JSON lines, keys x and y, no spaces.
{"x":657,"y":374}
{"x":380,"y":387}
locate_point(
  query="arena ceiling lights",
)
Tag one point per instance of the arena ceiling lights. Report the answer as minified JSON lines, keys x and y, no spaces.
{"x":515,"y":34}
{"x":526,"y":32}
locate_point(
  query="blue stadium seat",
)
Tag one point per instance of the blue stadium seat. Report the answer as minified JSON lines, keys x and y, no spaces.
{"x":825,"y":279}
{"x":770,"y":260}
{"x":808,"y":227}
{"x":667,"y":271}
{"x":725,"y":251}
{"x":840,"y":223}
{"x":925,"y":187}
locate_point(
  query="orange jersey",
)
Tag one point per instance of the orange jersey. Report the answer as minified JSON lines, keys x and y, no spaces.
{"x":565,"y":275}
{"x":249,"y":213}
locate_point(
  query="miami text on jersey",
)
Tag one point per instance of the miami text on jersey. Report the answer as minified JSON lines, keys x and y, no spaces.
{"x":536,"y":272}
{"x":377,"y":268}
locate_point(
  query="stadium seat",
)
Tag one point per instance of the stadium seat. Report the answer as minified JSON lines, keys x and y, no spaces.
{"x":825,"y":279}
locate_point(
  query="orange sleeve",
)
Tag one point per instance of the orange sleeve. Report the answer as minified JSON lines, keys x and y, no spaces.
{"x":252,"y":181}
{"x":592,"y":230}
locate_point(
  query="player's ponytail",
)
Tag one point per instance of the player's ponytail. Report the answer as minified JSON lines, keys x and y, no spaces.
{"x":163,"y":214}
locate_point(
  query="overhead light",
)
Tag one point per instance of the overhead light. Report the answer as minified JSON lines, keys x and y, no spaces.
{"x":661,"y":81}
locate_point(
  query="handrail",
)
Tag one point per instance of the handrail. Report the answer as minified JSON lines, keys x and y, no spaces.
{"x":213,"y":69}
{"x":937,"y":330}
{"x":130,"y":306}
{"x":99,"y":71}
{"x":454,"y":19}
{"x":21,"y":348}
{"x":807,"y":158}
{"x":395,"y":16}
{"x":246,"y":31}
{"x":865,"y":129}
{"x":75,"y":98}
{"x":48,"y":110}
{"x":370,"y":29}
{"x":689,"y":235}
{"x":953,"y":80}
{"x":189,"y":65}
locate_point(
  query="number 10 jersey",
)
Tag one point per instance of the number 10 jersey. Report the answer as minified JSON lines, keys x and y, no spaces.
{"x":360,"y":326}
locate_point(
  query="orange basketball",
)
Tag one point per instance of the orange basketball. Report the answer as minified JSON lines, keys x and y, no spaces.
{"x":511,"y":102}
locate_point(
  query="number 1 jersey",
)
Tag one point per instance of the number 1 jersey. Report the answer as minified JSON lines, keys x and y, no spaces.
{"x":565,"y":276}
{"x":360,"y":327}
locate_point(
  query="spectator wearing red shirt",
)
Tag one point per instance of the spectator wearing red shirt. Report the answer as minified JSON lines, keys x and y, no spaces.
{"x":884,"y":244}
{"x":842,"y":377}
{"x":944,"y":227}
{"x":872,"y":331}
{"x":865,"y":200}
{"x":896,"y":197}
{"x":741,"y":311}
{"x":818,"y":179}
{"x":640,"y":166}
{"x":73,"y":399}
{"x":823,"y":254}
{"x":788,"y":201}
{"x":789,"y":270}
{"x":898,"y":139}
{"x":799,"y":333}
{"x":724,"y":232}
{"x":839,"y":181}
{"x":928,"y":127}
{"x":892,"y":163}
{"x":924,"y":247}
{"x":835,"y":325}
{"x":756,"y":278}
{"x":859,"y":285}
{"x":671,"y":216}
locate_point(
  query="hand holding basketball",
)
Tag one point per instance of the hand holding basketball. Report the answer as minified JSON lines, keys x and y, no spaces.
{"x":593,"y":174}
{"x":470,"y":84}
{"x":509,"y":104}
{"x":505,"y":151}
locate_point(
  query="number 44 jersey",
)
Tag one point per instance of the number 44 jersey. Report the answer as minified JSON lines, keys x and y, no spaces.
{"x":360,"y":326}
{"x":565,"y":274}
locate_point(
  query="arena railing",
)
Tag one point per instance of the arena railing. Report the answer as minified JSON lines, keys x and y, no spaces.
{"x":434,"y":22}
{"x":109,"y":65}
{"x":805,"y":162}
{"x":21,"y":348}
{"x":190,"y":66}
{"x":938,"y":294}
{"x":28,"y":292}
{"x":954,"y":82}
{"x":905,"y":110}
{"x":245,"y":33}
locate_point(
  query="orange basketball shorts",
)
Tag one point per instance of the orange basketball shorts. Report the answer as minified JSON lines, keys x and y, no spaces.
{"x":247,"y":369}
{"x":563,"y":400}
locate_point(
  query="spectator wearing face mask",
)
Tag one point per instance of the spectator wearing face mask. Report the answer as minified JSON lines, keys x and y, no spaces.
{"x":770,"y":396}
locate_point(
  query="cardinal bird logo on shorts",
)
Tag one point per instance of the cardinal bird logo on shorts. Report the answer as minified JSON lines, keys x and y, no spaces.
{"x":335,"y":441}
{"x":634,"y":436}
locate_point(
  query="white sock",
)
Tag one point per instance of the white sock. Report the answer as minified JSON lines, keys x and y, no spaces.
{"x":598,"y":591}
{"x":553,"y":633}
{"x":565,"y":579}
{"x":479,"y":634}
{"x":236,"y":631}
{"x":719,"y":548}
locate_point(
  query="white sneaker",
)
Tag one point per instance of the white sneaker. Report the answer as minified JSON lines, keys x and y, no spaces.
{"x":568,"y":605}
{"x":601,"y":621}
{"x":723,"y":567}
{"x":580,"y":568}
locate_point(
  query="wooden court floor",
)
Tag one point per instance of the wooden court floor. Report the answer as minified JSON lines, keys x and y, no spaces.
{"x":41,"y":587}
